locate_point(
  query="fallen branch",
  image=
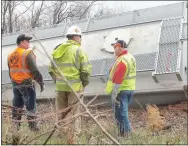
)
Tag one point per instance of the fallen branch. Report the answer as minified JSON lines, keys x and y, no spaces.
{"x":98,"y":114}
{"x":69,"y":118}
{"x":91,"y":100}
{"x":99,"y":104}
{"x":12,"y":107}
{"x":46,"y":116}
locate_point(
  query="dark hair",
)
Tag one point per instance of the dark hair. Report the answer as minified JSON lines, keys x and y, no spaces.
{"x":121,"y":42}
{"x":22,"y":37}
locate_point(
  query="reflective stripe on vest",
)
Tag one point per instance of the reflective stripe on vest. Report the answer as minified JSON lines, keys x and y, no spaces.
{"x":19,"y":70}
{"x":68,"y":58}
{"x":129,"y":76}
{"x":76,"y":65}
{"x":70,"y":81}
{"x":126,"y":77}
{"x":72,"y":64}
{"x":77,"y":58}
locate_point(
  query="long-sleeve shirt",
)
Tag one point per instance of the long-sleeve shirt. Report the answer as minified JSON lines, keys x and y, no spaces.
{"x":37,"y":76}
{"x":120,"y":71}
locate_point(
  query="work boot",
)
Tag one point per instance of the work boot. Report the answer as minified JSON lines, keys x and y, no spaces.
{"x":15,"y":140}
{"x":17,"y":116}
{"x":32,"y":124}
{"x":18,"y":126}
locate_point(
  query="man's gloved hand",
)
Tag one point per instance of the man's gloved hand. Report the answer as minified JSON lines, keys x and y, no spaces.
{"x":115,"y":96}
{"x":41,"y":87}
{"x":84,"y":78}
{"x":117,"y":100}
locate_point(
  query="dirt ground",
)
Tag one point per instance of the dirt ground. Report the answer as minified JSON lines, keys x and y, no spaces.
{"x":175,"y":115}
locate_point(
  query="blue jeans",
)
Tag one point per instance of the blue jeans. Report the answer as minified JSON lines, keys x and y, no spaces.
{"x":121,"y":111}
{"x":24,"y":95}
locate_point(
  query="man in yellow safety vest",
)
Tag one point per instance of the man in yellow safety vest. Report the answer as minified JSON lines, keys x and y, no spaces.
{"x":73,"y":62}
{"x":121,"y":84}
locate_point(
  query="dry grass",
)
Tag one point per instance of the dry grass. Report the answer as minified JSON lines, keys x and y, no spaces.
{"x":155,"y":122}
{"x":175,"y":116}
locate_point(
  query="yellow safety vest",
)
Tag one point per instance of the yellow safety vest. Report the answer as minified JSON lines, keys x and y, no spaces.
{"x":129,"y":82}
{"x":70,"y":59}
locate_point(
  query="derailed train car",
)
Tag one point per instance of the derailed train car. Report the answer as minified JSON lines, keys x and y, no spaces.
{"x":156,"y":36}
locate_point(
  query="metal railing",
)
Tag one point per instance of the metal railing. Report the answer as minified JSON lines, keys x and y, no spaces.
{"x":168,"y":46}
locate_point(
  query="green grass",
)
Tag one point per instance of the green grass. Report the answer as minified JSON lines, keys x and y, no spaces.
{"x":140,"y":136}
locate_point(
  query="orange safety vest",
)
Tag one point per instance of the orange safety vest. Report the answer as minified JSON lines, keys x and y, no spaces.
{"x":18,"y":66}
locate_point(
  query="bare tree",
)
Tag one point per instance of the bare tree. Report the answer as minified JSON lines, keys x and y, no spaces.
{"x":35,"y":15}
{"x":3,"y":14}
{"x":102,"y":10}
{"x":10,"y":18}
{"x":27,"y":8}
{"x":59,"y":11}
{"x":87,"y":9}
{"x":11,"y":9}
{"x":63,"y":11}
{"x":45,"y":13}
{"x":10,"y":12}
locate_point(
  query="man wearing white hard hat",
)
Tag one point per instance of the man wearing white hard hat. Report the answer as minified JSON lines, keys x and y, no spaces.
{"x":73,"y":62}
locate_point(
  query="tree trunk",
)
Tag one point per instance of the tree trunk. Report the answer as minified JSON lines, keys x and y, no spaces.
{"x":10,"y":28}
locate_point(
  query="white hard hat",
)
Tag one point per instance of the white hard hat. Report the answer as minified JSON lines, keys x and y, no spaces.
{"x":74,"y":30}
